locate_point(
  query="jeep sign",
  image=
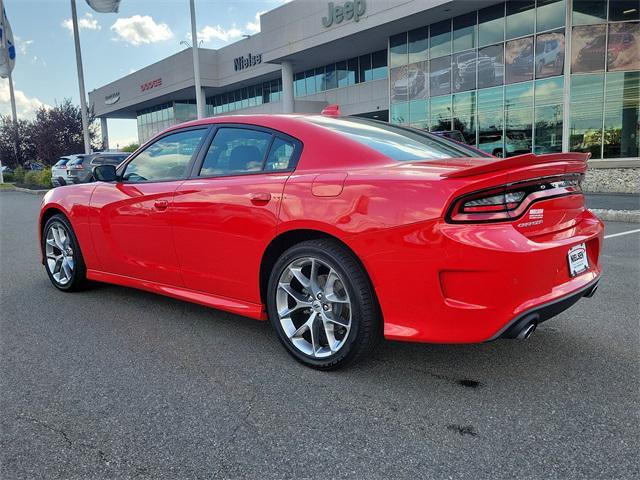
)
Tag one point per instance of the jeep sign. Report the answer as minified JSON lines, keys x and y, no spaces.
{"x":351,"y":10}
{"x":243,"y":62}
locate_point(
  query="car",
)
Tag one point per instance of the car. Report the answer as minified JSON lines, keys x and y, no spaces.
{"x":59,"y":171}
{"x":36,"y":166}
{"x":513,"y":143}
{"x":79,"y":169}
{"x":550,"y":53}
{"x":410,"y":84}
{"x":464,"y":71}
{"x":6,"y":169}
{"x":338,"y":230}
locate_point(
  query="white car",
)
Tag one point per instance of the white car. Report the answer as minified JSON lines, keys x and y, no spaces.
{"x":59,"y":171}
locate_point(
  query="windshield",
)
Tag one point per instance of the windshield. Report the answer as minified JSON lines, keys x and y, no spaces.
{"x":398,"y":143}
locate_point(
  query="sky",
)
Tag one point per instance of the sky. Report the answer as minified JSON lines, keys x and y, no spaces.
{"x":113,"y":45}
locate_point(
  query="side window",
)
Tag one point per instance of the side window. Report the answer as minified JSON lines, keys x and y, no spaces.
{"x":235,"y":151}
{"x":280,"y":155}
{"x":165,"y":159}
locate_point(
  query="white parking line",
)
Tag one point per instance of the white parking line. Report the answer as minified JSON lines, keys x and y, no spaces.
{"x":622,"y":233}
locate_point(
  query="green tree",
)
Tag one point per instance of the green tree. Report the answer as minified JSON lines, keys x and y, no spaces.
{"x":12,"y":153}
{"x":130,"y":148}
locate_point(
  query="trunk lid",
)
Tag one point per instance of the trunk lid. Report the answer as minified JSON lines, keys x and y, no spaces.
{"x":552,"y":202}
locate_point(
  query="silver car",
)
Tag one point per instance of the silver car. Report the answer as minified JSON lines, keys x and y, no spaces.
{"x":59,"y":171}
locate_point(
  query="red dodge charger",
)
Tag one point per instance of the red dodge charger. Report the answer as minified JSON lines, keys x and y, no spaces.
{"x":339,"y":230}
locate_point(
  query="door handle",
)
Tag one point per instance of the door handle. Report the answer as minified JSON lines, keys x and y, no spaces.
{"x":161,"y":204}
{"x":261,"y":198}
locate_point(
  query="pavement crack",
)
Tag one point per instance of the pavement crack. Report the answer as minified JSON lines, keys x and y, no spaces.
{"x":40,"y":423}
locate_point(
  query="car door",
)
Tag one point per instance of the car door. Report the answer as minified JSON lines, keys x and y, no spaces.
{"x":226,"y":213}
{"x":131,"y":218}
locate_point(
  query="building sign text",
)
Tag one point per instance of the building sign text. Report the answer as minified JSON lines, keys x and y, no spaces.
{"x":351,"y":10}
{"x":243,"y":62}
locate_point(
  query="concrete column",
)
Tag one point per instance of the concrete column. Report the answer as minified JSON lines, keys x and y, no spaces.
{"x":203,"y":95}
{"x":105,"y":133}
{"x":287,"y":87}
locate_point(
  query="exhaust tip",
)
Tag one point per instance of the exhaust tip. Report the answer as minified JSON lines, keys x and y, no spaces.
{"x":527,"y":331}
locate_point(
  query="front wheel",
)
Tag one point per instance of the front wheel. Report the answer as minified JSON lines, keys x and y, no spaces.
{"x":322,"y":306}
{"x":62,"y":256}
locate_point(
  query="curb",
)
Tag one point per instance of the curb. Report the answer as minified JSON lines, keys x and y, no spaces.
{"x":631,"y":216}
{"x":28,"y":190}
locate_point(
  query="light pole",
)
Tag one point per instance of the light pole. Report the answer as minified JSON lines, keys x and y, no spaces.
{"x":196,"y":60}
{"x":83,"y":97}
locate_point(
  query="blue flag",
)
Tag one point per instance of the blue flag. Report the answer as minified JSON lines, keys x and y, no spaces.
{"x":7,"y":47}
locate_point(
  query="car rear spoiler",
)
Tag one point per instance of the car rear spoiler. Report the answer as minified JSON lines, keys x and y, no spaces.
{"x":525,"y":160}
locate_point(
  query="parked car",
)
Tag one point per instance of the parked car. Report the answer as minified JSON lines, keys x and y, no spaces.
{"x":59,"y":171}
{"x":339,"y":230}
{"x":504,"y":146}
{"x":6,"y":169}
{"x":33,"y":166}
{"x":80,"y":168}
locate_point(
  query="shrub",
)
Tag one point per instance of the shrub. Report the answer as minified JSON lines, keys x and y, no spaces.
{"x":8,"y":177}
{"x":18,"y":175}
{"x":41,"y":178}
{"x":31,"y":177}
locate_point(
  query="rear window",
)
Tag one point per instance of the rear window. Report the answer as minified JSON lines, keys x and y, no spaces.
{"x":75,"y":161}
{"x":61,"y":163}
{"x":109,"y":159}
{"x":398,"y":143}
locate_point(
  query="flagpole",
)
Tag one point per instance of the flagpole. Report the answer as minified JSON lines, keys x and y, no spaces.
{"x":14,"y":115}
{"x":83,"y":97}
{"x":196,"y":59}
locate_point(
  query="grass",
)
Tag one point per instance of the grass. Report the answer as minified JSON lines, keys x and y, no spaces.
{"x":6,"y":186}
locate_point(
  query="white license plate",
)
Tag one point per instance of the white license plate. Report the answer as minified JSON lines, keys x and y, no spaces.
{"x":578,"y":261}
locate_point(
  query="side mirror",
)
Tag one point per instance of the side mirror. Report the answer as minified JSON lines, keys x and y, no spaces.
{"x":105,"y":173}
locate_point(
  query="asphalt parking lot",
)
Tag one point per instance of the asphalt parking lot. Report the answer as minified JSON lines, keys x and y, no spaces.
{"x":118,"y":383}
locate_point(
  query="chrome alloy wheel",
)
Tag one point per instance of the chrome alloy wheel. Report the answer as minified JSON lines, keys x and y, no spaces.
{"x":313,"y":307}
{"x":59,"y":254}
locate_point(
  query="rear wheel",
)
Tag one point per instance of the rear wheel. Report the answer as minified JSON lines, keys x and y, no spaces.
{"x":63,"y":258}
{"x":322,"y":305}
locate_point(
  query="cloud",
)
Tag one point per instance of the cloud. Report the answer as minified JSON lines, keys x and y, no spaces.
{"x":25,"y":106}
{"x":138,"y":30}
{"x":254,"y":27}
{"x":209,"y":33}
{"x":23,"y":45}
{"x":84,"y":23}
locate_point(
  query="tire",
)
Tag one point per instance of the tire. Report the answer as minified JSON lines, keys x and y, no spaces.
{"x":498,"y":153}
{"x":353,"y":321}
{"x":63,"y":259}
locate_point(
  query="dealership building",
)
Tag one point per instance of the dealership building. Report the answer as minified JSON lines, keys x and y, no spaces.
{"x":508,"y":77}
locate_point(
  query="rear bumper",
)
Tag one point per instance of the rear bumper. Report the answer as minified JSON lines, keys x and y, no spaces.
{"x":546,"y":311}
{"x":444,"y":283}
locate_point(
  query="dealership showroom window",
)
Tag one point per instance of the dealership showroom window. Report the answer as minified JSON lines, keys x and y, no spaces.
{"x":505,"y":75}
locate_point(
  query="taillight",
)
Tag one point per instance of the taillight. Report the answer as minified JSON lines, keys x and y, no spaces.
{"x":76,"y":167}
{"x":508,"y":202}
